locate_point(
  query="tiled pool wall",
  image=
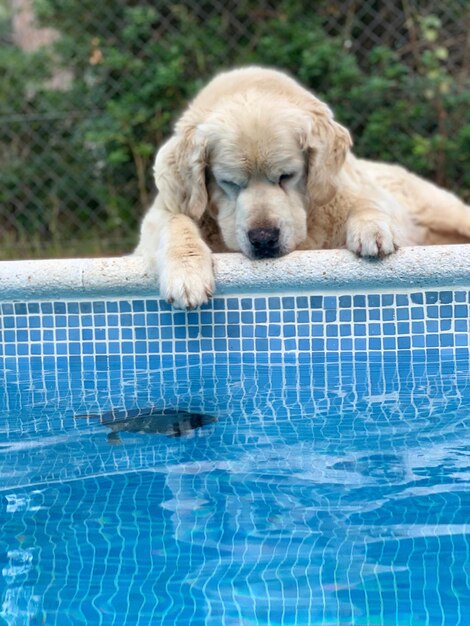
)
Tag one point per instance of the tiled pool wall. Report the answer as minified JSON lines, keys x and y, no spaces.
{"x":254,"y":359}
{"x":267,"y":359}
{"x":148,"y":333}
{"x":366,"y":388}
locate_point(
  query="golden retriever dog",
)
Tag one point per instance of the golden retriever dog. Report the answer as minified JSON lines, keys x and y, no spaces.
{"x":257,"y":164}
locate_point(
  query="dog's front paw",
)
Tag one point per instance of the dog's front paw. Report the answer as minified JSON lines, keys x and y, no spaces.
{"x":370,"y":238}
{"x":188,"y":281}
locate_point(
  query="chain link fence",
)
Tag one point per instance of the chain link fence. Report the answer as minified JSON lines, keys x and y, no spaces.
{"x":89,"y":89}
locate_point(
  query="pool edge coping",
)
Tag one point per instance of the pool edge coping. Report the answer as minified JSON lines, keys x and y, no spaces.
{"x":414,"y":268}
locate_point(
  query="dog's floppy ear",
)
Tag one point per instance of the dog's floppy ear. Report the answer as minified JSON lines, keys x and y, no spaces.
{"x":180,"y":173}
{"x":327,"y":144}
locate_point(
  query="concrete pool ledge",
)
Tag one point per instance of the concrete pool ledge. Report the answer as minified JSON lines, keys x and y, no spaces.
{"x":318,"y":270}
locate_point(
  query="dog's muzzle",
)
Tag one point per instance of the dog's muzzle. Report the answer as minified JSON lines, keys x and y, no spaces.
{"x":264,"y":242}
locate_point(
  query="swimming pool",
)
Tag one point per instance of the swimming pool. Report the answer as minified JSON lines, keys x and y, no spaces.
{"x":321,"y":475}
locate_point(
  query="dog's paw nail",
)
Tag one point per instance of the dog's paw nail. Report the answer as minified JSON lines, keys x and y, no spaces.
{"x":371,"y":240}
{"x":187,"y":288}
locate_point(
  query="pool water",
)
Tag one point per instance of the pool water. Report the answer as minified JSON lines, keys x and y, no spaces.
{"x":320,"y":490}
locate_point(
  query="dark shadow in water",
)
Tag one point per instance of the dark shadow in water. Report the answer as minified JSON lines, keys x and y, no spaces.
{"x":167,"y":422}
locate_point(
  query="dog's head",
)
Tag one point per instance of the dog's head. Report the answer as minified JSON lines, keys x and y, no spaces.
{"x":259,"y":164}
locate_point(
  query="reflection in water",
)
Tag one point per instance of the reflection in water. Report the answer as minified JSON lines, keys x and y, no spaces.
{"x":150,"y":421}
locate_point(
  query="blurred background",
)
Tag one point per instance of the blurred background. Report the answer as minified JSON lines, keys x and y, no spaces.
{"x":90,"y":88}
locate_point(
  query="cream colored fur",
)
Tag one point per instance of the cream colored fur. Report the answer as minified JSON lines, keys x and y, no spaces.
{"x":255,"y":150}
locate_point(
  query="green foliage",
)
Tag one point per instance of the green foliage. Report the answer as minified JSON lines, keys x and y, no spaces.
{"x":79,"y":158}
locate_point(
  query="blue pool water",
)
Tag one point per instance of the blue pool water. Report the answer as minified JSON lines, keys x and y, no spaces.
{"x":327,"y":491}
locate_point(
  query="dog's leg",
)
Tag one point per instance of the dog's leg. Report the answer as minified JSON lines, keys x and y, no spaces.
{"x":440,"y":210}
{"x":375,"y":224}
{"x":183,"y":260}
{"x":439,"y":215}
{"x":370,"y":234}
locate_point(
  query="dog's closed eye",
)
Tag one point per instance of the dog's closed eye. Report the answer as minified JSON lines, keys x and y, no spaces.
{"x":230,"y":183}
{"x":285,"y":178}
{"x":231,"y":187}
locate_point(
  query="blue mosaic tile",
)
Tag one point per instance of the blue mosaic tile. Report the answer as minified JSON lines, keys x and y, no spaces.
{"x":272,"y":326}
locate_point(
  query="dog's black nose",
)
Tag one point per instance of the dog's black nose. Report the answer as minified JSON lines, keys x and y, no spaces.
{"x":265,"y":242}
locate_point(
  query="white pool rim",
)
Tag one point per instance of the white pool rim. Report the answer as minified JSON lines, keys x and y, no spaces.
{"x":414,"y":268}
